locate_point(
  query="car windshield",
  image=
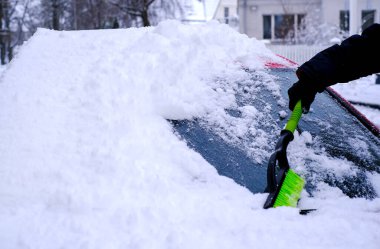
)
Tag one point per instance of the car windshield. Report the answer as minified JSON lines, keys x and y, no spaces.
{"x":331,"y":145}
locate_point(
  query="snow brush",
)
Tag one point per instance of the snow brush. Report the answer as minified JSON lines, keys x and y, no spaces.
{"x":284,"y":185}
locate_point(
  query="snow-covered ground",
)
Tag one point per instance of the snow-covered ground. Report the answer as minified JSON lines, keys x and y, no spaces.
{"x":363,"y":90}
{"x":88,"y":160}
{"x":371,"y":114}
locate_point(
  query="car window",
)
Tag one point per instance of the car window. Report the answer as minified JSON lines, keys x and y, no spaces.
{"x":334,"y":147}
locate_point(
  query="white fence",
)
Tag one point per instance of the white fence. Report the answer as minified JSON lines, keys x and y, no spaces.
{"x":296,"y":53}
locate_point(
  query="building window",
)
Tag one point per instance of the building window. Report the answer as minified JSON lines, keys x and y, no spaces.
{"x":300,"y":21}
{"x":267,"y":28}
{"x":368,"y":18}
{"x":344,"y":20}
{"x":226,"y":14}
{"x":283,"y":26}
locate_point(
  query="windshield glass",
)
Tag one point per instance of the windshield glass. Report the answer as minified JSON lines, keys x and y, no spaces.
{"x":331,"y":145}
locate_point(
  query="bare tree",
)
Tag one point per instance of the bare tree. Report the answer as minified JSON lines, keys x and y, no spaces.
{"x":5,"y":32}
{"x":149,"y":12}
{"x":54,"y":14}
{"x":167,"y":9}
{"x":94,"y":14}
{"x":135,"y":9}
{"x":14,"y":27}
{"x":19,"y":19}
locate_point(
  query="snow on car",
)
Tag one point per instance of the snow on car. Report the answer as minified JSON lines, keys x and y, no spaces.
{"x":124,"y":139}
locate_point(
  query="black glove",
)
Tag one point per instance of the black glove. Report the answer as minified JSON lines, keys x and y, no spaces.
{"x":303,"y":91}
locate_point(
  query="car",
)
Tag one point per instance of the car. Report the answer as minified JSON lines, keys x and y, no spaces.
{"x":341,"y":147}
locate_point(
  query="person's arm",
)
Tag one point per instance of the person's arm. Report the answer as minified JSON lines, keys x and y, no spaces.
{"x":355,"y":57}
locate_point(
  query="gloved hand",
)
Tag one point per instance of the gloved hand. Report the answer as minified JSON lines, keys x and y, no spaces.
{"x":303,"y":91}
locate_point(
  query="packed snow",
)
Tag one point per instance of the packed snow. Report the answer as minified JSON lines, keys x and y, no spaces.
{"x":363,"y":90}
{"x":88,"y":159}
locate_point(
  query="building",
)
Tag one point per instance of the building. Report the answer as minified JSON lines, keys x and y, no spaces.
{"x":280,"y":20}
{"x":227,"y":12}
{"x":200,"y":11}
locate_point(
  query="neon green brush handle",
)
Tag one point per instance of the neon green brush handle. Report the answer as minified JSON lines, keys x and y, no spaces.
{"x":294,"y":118}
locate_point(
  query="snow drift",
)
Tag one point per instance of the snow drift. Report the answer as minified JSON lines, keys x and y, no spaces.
{"x":88,"y":160}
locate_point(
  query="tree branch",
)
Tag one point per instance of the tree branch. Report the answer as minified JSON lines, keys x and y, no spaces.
{"x":13,"y":9}
{"x":128,"y":10}
{"x":149,"y":3}
{"x":21,"y":23}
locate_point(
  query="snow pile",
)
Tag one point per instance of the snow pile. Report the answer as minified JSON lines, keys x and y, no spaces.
{"x":250,"y":128}
{"x":88,"y":160}
{"x":363,"y":90}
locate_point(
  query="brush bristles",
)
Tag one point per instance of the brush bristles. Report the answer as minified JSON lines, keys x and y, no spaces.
{"x":290,"y":191}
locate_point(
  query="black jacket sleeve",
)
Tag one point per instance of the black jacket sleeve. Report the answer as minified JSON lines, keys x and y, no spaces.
{"x":355,"y":57}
